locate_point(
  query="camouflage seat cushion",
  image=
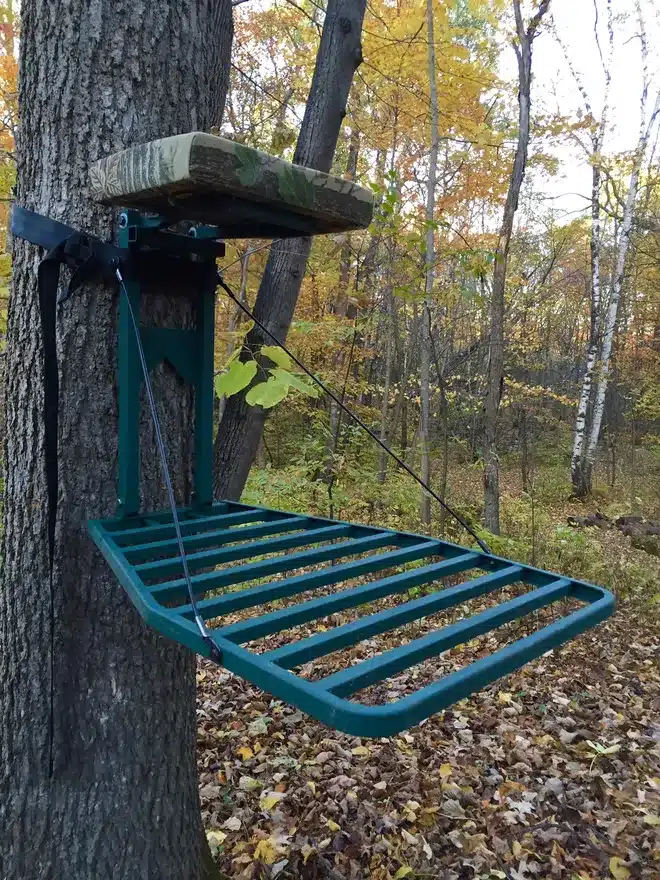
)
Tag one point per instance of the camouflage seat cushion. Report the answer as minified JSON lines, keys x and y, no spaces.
{"x":198,"y":177}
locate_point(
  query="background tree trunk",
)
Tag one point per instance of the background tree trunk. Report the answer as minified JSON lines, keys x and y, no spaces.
{"x":113,"y":793}
{"x":523,"y":48}
{"x":578,"y":476}
{"x":387,"y":380}
{"x":623,"y":243}
{"x":579,"y":480}
{"x":429,"y":278}
{"x":338,"y":57}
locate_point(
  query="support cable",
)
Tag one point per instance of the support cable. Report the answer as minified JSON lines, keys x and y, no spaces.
{"x":160,"y":443}
{"x":349,"y":412}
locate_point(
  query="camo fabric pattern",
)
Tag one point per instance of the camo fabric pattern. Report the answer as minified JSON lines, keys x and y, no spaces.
{"x":180,"y":168}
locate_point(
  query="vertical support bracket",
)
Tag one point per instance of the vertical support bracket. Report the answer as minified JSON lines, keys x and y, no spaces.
{"x":190,"y":352}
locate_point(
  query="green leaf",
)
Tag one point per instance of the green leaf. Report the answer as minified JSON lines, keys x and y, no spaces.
{"x":267,"y":394}
{"x":236,"y":378}
{"x":293,"y":381}
{"x":618,"y":868}
{"x":232,"y":357}
{"x":277,"y":355}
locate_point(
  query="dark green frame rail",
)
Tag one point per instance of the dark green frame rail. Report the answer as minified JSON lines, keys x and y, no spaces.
{"x":142,"y":552}
{"x":241,"y":557}
{"x":188,"y":351}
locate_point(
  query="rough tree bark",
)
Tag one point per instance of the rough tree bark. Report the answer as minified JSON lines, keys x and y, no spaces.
{"x":113,"y":792}
{"x":429,"y":278}
{"x":523,"y":49}
{"x":341,"y":307}
{"x":338,"y":57}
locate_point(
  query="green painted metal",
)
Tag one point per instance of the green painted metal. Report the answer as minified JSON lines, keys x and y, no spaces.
{"x":343,"y":557}
{"x":241,"y":557}
{"x":188,"y":351}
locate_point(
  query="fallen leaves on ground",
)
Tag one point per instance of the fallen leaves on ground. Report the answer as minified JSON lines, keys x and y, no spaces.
{"x":553,"y":772}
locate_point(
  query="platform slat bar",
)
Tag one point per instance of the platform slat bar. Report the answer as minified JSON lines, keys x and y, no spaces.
{"x":189,"y":514}
{"x":216,"y":607}
{"x":368,"y":672}
{"x":255,"y":570}
{"x":249,"y":550}
{"x":164,"y":517}
{"x":339,"y":637}
{"x":471,"y":678}
{"x":278,"y":556}
{"x":276,"y":621}
{"x":138,"y":553}
{"x":158,"y":533}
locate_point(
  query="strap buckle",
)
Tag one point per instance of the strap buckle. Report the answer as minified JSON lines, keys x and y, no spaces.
{"x":78,"y":249}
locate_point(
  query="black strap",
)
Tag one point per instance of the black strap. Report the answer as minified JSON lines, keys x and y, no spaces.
{"x":86,"y":256}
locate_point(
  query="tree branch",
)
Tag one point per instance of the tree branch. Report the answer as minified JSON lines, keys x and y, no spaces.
{"x":536,"y":20}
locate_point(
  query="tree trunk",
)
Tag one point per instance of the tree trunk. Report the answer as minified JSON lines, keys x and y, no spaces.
{"x":524,"y":447}
{"x":429,"y":278}
{"x":385,"y":402}
{"x":609,"y":326}
{"x":98,"y":775}
{"x":523,"y":49}
{"x":340,"y":307}
{"x":579,"y":478}
{"x":338,"y":57}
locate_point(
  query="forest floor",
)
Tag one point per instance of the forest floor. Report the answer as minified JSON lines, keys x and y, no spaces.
{"x":553,"y":772}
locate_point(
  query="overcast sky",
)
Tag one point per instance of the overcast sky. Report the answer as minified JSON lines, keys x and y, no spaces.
{"x":554,"y":87}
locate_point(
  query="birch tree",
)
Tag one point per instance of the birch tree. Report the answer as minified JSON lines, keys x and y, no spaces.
{"x":646,"y":124}
{"x":522,"y":45}
{"x":597,"y":139}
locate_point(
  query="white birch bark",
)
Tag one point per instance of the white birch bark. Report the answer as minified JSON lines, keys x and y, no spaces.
{"x":578,"y":477}
{"x":623,"y":244}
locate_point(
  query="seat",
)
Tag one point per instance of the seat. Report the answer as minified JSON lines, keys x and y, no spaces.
{"x":200,"y":178}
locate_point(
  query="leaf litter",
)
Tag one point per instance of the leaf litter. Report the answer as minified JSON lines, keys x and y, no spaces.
{"x":553,"y":772}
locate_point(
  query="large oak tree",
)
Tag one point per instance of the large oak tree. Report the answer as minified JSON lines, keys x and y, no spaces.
{"x":97,"y":738}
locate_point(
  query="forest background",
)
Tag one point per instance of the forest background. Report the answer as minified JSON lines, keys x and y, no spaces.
{"x":365,"y":314}
{"x":365,"y":305}
{"x":399,"y":320}
{"x":367,"y":319}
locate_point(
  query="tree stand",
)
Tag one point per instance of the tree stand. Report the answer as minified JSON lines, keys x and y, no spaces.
{"x":189,"y":565}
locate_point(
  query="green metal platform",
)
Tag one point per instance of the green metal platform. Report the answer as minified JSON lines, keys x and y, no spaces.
{"x":270,"y":546}
{"x":242,"y":557}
